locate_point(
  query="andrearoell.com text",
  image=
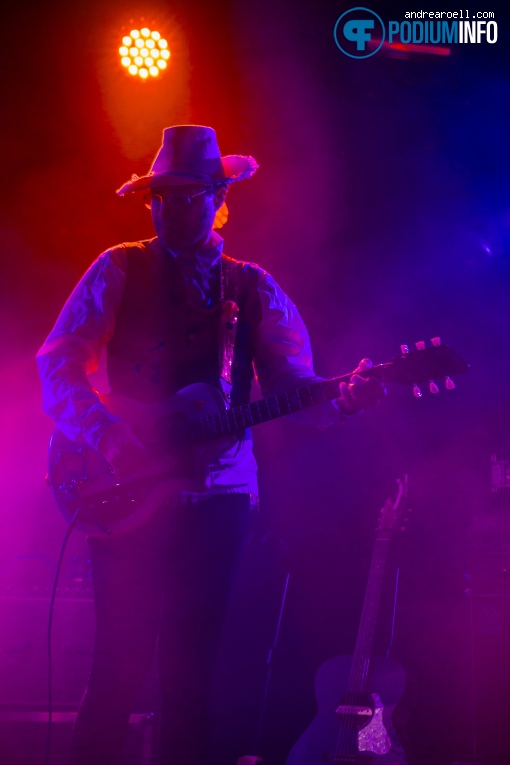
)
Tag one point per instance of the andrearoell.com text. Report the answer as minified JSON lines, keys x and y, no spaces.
{"x":449,"y":15}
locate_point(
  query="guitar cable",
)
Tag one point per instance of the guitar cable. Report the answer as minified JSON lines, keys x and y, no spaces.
{"x":67,"y":536}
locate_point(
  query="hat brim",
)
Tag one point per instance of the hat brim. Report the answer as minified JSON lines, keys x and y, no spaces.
{"x":235,"y":167}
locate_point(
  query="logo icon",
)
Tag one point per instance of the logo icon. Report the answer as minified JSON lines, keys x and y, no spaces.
{"x":354,"y":31}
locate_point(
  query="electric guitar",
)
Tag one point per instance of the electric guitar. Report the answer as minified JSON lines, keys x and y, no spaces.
{"x":191,"y":429}
{"x":358,"y":694}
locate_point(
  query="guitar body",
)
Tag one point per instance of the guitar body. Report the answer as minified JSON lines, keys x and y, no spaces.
{"x":353,"y":729}
{"x":83,"y":481}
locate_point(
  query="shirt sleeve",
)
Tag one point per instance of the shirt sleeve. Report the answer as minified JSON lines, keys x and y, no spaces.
{"x":283,"y":355}
{"x":73,"y":349}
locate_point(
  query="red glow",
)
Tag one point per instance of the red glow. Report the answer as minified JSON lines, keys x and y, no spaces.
{"x":431,"y":50}
{"x":400,"y":49}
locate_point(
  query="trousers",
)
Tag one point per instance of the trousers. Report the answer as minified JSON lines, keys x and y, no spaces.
{"x":163,"y":588}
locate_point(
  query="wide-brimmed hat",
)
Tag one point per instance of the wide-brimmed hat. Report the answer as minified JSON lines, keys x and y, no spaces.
{"x":190,"y":153}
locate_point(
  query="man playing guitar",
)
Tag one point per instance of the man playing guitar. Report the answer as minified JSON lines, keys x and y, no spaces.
{"x":169,"y":313}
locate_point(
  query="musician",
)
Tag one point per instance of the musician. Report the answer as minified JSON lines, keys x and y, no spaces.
{"x":167,"y":313}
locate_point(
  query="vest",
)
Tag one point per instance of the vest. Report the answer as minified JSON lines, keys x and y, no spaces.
{"x":161,"y":343}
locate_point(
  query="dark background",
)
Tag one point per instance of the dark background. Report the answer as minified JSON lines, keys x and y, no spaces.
{"x":381,"y":207}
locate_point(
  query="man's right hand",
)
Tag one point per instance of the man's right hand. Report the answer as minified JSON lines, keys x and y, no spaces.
{"x":122,"y":449}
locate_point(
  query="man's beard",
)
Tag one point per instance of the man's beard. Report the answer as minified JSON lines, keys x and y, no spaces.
{"x":177,"y":234}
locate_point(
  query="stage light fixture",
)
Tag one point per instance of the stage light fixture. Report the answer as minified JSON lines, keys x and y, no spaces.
{"x":144,"y":53}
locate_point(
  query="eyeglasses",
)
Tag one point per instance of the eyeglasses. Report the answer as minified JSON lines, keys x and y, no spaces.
{"x":173,"y":199}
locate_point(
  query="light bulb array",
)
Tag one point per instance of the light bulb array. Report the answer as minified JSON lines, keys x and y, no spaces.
{"x":144,"y":53}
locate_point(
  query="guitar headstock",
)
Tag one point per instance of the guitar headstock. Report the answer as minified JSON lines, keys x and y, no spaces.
{"x":393,"y":512}
{"x":424,"y":365}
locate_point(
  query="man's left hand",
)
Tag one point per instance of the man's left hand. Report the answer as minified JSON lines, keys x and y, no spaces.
{"x":360,"y":392}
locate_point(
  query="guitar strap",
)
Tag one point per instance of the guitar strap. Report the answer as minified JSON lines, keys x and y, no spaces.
{"x":239,"y":318}
{"x":229,"y":318}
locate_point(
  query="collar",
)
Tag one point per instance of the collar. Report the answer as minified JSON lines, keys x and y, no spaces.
{"x":205,"y":257}
{"x":199,"y":268}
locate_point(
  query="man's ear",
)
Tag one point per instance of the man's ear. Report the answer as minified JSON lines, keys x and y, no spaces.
{"x":220,"y":195}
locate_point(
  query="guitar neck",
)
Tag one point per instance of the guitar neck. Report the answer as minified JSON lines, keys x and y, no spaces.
{"x":409,"y":368}
{"x":239,"y":418}
{"x":365,"y":640}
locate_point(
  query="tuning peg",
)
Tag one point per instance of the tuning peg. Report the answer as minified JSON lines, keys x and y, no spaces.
{"x":420,"y":345}
{"x":433,"y":387}
{"x":435,"y":341}
{"x":404,"y":349}
{"x":450,"y":385}
{"x":417,"y":392}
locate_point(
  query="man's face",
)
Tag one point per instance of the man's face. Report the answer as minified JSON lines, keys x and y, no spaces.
{"x":183,"y":215}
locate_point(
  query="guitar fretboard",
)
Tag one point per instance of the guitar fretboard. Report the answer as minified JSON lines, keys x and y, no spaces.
{"x":364,"y":643}
{"x":407,"y":369}
{"x":241,"y":417}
